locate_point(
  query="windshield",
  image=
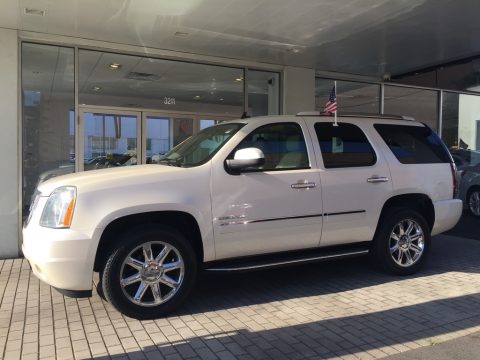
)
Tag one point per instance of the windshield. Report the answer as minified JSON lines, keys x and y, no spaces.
{"x":201,"y":147}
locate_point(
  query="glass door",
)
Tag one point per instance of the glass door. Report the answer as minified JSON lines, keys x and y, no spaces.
{"x":156,"y":135}
{"x":108,"y":138}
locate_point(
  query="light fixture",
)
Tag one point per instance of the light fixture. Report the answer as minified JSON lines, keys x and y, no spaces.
{"x":221,"y":99}
{"x":239,"y":79}
{"x":96,"y":88}
{"x":115,"y":66}
{"x":196,"y":97}
{"x":32,"y":11}
{"x":181,"y":34}
{"x":294,"y":50}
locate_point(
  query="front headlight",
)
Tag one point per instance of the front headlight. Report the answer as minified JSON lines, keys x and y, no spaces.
{"x":58,"y":210}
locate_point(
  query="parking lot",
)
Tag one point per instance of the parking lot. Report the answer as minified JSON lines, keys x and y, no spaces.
{"x":343,"y":309}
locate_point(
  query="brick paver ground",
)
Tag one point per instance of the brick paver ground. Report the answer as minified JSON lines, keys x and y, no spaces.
{"x":343,"y":309}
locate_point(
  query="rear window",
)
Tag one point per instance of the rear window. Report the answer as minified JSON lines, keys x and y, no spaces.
{"x":414,"y":144}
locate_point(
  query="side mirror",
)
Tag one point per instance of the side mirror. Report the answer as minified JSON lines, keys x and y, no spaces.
{"x":245,"y":158}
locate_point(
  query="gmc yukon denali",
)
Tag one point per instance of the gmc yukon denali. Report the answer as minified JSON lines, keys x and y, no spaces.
{"x":242,"y":195}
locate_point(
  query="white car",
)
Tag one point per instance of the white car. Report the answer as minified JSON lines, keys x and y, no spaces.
{"x":242,"y":195}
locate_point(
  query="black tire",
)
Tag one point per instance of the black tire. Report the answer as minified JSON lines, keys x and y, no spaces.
{"x":115,"y":269}
{"x":381,"y":251}
{"x":471,"y":191}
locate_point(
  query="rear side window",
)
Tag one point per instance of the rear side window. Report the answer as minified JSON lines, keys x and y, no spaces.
{"x":413,"y":144}
{"x":344,"y":145}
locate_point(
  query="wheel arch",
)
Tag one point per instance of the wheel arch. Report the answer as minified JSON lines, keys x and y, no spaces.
{"x":415,"y":201}
{"x":181,"y":221}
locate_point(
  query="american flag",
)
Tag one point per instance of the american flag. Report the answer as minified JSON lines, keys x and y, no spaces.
{"x":331,"y":105}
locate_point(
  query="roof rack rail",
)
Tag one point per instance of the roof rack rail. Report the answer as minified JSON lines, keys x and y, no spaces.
{"x":359,"y":114}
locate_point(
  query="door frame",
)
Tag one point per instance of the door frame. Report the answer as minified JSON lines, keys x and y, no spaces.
{"x":141,"y":115}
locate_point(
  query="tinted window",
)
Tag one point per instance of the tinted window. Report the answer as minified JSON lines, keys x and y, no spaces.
{"x":344,"y":145}
{"x":413,"y":144}
{"x":282,"y":144}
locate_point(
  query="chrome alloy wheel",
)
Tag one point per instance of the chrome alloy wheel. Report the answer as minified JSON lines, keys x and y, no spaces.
{"x":152,"y":273}
{"x":474,"y":202}
{"x":406,"y":243}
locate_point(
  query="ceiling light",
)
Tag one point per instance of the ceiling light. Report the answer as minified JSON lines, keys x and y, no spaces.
{"x":221,"y":99}
{"x":181,"y":34}
{"x":115,"y":66}
{"x":294,"y":50}
{"x":37,"y":12}
{"x":196,"y":97}
{"x":96,"y":88}
{"x":239,"y":79}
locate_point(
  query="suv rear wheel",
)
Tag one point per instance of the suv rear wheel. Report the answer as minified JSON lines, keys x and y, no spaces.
{"x":150,"y":273}
{"x":402,"y":241}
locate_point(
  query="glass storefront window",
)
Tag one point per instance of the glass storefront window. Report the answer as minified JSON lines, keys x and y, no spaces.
{"x":418,"y":103}
{"x":263,"y":93}
{"x":109,"y":140}
{"x":461,"y":121}
{"x":128,"y":81}
{"x":48,"y":102}
{"x":351,"y":96}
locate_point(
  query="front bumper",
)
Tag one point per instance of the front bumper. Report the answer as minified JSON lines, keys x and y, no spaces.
{"x":447,"y":214}
{"x":60,"y":257}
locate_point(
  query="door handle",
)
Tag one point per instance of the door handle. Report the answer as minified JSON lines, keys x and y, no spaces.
{"x":303,"y":184}
{"x":377,"y":179}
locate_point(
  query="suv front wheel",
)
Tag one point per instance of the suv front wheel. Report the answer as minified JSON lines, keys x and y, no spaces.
{"x":402,"y":241}
{"x":150,"y":273}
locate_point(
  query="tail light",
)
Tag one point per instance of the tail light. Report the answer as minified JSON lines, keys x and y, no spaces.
{"x":455,"y":179}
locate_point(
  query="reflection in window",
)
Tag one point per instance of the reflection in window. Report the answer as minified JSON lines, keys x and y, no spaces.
{"x":48,"y":116}
{"x":148,"y":83}
{"x":263,"y":93}
{"x":418,"y":103}
{"x":461,"y":121}
{"x":351,"y":96}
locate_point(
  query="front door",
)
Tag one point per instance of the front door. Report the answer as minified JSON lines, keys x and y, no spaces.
{"x":271,"y":208}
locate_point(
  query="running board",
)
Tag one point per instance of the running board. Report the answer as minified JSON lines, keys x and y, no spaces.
{"x":252,"y":263}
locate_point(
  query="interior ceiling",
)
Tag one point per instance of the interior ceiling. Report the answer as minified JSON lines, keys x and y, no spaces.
{"x":367,"y":37}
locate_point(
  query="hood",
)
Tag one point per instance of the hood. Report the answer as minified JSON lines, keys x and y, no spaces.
{"x":95,"y":180}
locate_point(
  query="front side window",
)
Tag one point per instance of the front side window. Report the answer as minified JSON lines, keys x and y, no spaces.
{"x":282,"y":144}
{"x":344,"y":145}
{"x":200,"y":148}
{"x":413,"y":144}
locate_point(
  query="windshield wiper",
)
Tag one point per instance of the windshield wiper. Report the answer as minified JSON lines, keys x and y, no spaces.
{"x":170,"y":162}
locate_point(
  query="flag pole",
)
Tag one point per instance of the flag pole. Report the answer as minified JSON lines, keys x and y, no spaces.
{"x":335,"y":112}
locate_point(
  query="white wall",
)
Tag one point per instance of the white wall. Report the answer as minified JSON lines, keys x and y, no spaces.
{"x":9,"y":143}
{"x":468,"y":115}
{"x":298,"y":90}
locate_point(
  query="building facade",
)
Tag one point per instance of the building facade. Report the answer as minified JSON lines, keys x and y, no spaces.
{"x":71,"y":104}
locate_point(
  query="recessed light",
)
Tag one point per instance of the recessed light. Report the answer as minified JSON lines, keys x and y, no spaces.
{"x":31,"y":11}
{"x":221,"y":99}
{"x":181,"y":34}
{"x":239,"y":79}
{"x":96,"y":88}
{"x":115,"y":66}
{"x":196,"y":97}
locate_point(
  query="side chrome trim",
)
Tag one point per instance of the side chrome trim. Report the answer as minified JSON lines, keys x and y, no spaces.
{"x":288,"y":262}
{"x":245,"y":222}
{"x":344,"y":213}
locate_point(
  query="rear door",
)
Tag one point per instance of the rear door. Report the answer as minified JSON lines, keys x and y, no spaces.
{"x":355,"y":181}
{"x":270,"y":208}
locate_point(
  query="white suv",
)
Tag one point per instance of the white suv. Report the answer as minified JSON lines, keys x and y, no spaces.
{"x":245,"y":194}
